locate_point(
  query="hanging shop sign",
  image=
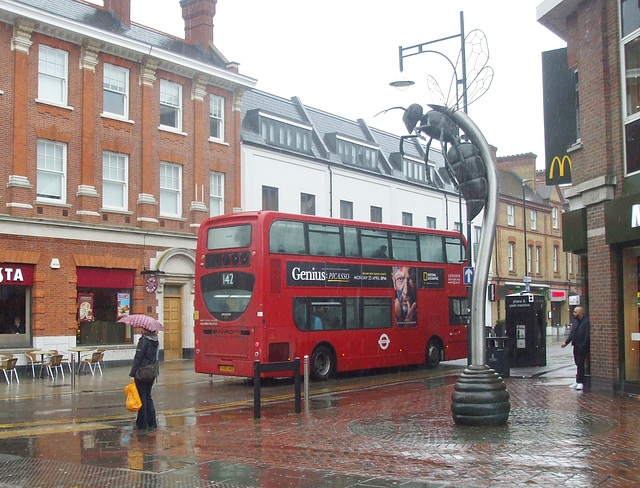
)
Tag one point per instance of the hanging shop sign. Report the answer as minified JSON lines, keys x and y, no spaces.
{"x":124,"y":304}
{"x":85,"y":307}
{"x":151,"y":283}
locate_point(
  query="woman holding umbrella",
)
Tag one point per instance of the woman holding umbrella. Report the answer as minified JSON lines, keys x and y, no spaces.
{"x":146,"y":353}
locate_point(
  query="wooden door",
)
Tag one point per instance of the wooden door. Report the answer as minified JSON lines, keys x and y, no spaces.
{"x":173,"y":328}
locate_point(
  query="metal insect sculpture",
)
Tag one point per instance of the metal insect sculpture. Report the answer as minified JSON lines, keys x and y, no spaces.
{"x":462,"y":158}
{"x":480,"y":397}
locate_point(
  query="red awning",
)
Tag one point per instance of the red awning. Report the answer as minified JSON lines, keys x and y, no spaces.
{"x":105,"y":278}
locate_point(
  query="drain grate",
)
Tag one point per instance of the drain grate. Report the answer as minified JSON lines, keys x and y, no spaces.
{"x":525,"y":425}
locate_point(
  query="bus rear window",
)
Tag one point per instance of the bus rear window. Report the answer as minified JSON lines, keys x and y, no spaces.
{"x":227,"y":294}
{"x":232,"y":237}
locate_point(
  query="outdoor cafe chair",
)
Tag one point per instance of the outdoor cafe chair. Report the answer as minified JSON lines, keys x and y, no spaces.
{"x":94,"y":361}
{"x":32,"y":359}
{"x":8,"y":363}
{"x":55,"y":362}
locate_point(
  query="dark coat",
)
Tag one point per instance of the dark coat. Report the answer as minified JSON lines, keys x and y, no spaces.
{"x":146,"y":352}
{"x":579,"y":332}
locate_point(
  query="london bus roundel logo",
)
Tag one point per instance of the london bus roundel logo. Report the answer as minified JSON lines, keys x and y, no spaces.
{"x":384,"y":341}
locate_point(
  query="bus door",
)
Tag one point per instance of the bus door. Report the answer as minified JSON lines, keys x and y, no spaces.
{"x":459,"y":317}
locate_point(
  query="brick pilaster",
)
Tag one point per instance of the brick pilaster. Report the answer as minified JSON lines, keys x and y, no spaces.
{"x":147,"y":203}
{"x":88,"y":198}
{"x":19,"y":191}
{"x":199,"y":210}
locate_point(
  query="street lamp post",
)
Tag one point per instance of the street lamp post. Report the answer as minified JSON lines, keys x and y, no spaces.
{"x":524,"y":226}
{"x":405,"y":52}
{"x":461,"y":81}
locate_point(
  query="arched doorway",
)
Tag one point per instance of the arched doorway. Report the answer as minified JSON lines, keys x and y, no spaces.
{"x":175,"y":300}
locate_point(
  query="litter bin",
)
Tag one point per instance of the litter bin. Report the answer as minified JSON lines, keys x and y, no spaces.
{"x":498,"y":355}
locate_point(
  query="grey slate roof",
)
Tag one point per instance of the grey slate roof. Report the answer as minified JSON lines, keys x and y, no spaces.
{"x":325,"y":125}
{"x":511,"y":186}
{"x":97,"y":17}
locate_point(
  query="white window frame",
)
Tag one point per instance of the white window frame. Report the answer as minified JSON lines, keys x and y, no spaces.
{"x":554,"y":217}
{"x":529,"y":258}
{"x":555,"y":259}
{"x":533,"y":217}
{"x":170,"y":187}
{"x":570,"y":262}
{"x":407,"y":219}
{"x":538,"y":251}
{"x":511,"y":220}
{"x":53,"y":66}
{"x":52,"y":165}
{"x":216,"y":116}
{"x":216,"y":193}
{"x":109,"y":71}
{"x":169,"y":99}
{"x":512,"y":251}
{"x":433,"y":220}
{"x":114,"y":176}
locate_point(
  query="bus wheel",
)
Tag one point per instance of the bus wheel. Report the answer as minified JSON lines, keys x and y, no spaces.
{"x":434,"y":353}
{"x":322,"y":363}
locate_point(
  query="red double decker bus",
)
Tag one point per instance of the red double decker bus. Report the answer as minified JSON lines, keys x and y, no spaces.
{"x":351,"y":295}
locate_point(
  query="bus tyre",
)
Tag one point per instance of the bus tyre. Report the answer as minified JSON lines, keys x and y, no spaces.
{"x":434,"y":354}
{"x":322,"y":363}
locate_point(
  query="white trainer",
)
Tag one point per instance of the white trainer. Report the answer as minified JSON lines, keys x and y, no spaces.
{"x":573,"y":386}
{"x":579,"y":386}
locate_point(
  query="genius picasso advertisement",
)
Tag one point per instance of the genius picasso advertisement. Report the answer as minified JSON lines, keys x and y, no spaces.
{"x":403,"y":280}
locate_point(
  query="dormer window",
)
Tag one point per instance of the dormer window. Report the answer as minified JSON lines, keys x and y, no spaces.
{"x":357,"y":153}
{"x":285,"y":133}
{"x":414,"y":169}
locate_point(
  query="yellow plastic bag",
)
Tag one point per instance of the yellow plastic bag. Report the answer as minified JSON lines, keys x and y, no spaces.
{"x":133,"y":398}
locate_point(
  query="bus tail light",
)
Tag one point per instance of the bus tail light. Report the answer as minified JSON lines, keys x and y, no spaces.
{"x":257,"y":344}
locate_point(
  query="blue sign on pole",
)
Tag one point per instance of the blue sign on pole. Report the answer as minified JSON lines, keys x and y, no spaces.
{"x":468,"y":275}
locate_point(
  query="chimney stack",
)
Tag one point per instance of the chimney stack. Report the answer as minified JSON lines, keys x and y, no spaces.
{"x":122,"y":10}
{"x":198,"y":21}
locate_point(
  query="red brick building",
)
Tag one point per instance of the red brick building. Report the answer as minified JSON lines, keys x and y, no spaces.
{"x":603,"y":222}
{"x":119,"y":141}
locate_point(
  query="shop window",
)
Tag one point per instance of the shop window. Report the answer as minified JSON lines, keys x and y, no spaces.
{"x":98,"y":320}
{"x":15,"y":307}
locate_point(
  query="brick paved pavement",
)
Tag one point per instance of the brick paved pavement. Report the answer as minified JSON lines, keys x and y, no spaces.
{"x":392,"y":430}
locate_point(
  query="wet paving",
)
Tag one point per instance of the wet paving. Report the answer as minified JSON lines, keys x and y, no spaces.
{"x":390,"y":429}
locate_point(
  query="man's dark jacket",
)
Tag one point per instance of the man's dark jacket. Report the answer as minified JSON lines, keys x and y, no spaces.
{"x":579,"y":332}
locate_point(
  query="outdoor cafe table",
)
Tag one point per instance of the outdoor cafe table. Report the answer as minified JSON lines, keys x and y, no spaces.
{"x":42,"y":353}
{"x":79,"y":349}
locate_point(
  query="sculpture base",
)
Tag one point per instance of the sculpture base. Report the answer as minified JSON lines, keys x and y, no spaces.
{"x":480,"y":398}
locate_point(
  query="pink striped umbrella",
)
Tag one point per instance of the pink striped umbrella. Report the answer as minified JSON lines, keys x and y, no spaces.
{"x":144,"y":321}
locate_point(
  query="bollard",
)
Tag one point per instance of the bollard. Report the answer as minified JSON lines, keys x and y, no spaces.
{"x":296,"y":374}
{"x":306,"y":384}
{"x":256,"y":390}
{"x":73,"y":371}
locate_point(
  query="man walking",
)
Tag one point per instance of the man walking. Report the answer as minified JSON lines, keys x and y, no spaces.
{"x":579,"y":336}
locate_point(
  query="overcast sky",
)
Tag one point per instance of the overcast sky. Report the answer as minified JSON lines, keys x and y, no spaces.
{"x":340,"y":55}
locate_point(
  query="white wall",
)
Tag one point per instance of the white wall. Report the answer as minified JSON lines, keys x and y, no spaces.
{"x":292,"y":176}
